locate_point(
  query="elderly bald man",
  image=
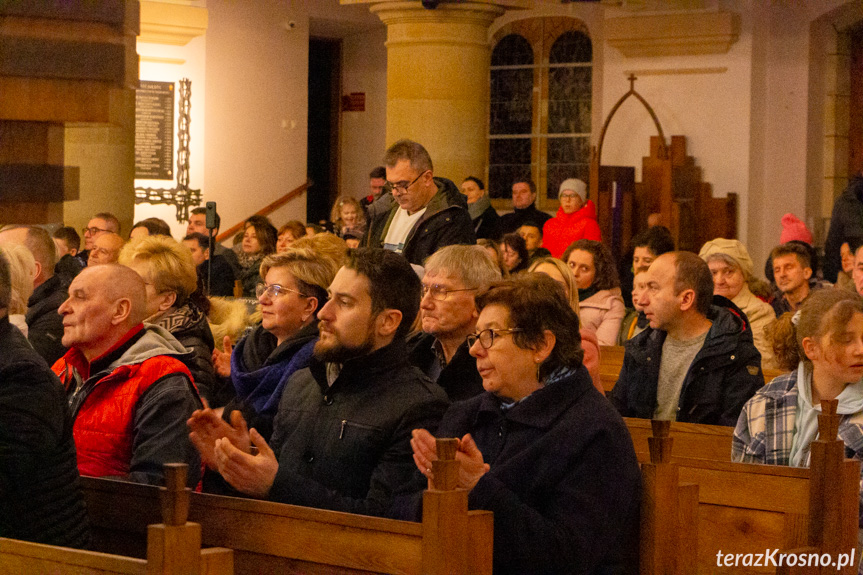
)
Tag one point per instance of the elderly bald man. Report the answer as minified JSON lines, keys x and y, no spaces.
{"x":128,"y":389}
{"x":106,"y":249}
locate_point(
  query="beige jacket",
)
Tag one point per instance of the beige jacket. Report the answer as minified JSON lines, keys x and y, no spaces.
{"x":760,"y":315}
{"x":603,"y":313}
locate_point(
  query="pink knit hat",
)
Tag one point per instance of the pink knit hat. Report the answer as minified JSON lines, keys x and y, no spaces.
{"x":794,"y":229}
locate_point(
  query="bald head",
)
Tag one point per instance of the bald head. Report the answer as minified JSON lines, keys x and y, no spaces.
{"x":104,"y":303}
{"x":106,"y":249}
{"x":41,"y":246}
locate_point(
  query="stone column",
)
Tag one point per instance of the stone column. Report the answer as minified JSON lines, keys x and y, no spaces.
{"x":437,"y":79}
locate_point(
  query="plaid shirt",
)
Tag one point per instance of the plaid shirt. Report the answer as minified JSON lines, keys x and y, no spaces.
{"x":766,"y":427}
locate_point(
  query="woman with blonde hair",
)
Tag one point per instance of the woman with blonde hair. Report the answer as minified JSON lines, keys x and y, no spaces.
{"x":559,"y":272}
{"x":174,"y":301}
{"x":22,"y":268}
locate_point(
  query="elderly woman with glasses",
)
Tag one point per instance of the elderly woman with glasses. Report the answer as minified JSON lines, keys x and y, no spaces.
{"x":294,"y":289}
{"x":541,"y":448}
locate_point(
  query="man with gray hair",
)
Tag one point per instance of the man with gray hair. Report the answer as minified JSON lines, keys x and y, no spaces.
{"x":128,"y":389}
{"x":40,"y":493}
{"x":44,"y":324}
{"x":429,"y":212}
{"x":453,"y":277}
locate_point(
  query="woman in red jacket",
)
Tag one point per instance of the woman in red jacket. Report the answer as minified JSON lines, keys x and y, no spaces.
{"x":575,"y":219}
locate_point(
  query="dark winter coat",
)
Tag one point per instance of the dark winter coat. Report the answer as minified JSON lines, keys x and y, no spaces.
{"x":44,"y":324}
{"x":189,"y":325}
{"x":846,"y":224}
{"x":725,"y":373}
{"x":510,"y":222}
{"x":40,"y":492}
{"x":459,"y":378}
{"x":445,"y":222}
{"x":346,"y":447}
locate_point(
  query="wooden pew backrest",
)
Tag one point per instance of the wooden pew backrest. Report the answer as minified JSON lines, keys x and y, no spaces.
{"x":691,"y":440}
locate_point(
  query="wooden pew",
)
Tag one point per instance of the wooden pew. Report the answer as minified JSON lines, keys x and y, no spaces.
{"x":691,"y":440}
{"x":749,"y":508}
{"x":611,"y":362}
{"x":173,"y":547}
{"x":276,"y":538}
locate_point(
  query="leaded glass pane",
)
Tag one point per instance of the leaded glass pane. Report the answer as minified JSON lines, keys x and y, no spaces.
{"x":508,"y":159}
{"x":511,"y":101}
{"x":512,"y":50}
{"x":569,"y":101}
{"x":567,"y":158}
{"x":571,"y":47}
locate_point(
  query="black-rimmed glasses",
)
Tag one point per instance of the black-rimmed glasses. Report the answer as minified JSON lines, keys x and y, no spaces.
{"x":439,"y":292}
{"x":401,"y":187}
{"x":486,"y":336}
{"x":274,"y":291}
{"x":92,"y":231}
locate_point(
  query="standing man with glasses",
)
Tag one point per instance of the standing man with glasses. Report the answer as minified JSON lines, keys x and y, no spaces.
{"x":453,"y":277}
{"x":101,"y":223}
{"x":429,"y":214}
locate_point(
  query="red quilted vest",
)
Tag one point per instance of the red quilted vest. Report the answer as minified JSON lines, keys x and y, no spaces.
{"x":103,"y":425}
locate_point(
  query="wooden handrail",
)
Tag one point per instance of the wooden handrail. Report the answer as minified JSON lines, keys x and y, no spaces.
{"x":267,"y":210}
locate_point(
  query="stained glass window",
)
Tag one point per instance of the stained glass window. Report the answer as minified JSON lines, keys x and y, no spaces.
{"x":540,"y":113}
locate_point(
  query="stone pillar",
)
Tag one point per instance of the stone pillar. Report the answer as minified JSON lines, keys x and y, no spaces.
{"x":437,"y":80}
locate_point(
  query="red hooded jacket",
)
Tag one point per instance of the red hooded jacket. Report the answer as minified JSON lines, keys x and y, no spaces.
{"x":563,"y":229}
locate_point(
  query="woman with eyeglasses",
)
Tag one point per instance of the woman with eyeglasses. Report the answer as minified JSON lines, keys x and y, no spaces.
{"x":575,"y":219}
{"x":541,"y":448}
{"x":294,"y":289}
{"x":174,"y":301}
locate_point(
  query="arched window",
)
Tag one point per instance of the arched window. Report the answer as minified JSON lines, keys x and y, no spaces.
{"x":540,"y":114}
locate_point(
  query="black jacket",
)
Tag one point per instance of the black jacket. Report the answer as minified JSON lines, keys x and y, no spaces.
{"x":44,"y":324}
{"x":346,"y":447}
{"x":846,"y":223}
{"x":725,"y":373}
{"x":445,"y":222}
{"x":221,"y":276}
{"x":510,"y":222}
{"x":40,"y":492}
{"x":563,"y":484}
{"x":487,"y":225}
{"x":189,"y":325}
{"x":459,"y":378}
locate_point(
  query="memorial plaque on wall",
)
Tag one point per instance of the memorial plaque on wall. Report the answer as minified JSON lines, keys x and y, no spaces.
{"x":154,"y":131}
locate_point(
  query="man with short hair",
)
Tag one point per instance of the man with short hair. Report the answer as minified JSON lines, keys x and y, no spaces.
{"x":101,"y":223}
{"x":453,"y":276}
{"x":523,"y":207}
{"x":696,"y":361}
{"x":150,"y":227}
{"x":377,"y":180}
{"x":216,"y":268}
{"x":106,"y":249}
{"x":486,"y":222}
{"x":44,"y":324}
{"x":429,"y":212}
{"x":129,"y":392}
{"x":198,"y":225}
{"x":341,"y":436}
{"x":531,"y":233}
{"x":40,"y":493}
{"x":792,"y":269}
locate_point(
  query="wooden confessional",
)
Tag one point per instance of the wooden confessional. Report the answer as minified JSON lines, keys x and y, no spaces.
{"x":670,"y":186}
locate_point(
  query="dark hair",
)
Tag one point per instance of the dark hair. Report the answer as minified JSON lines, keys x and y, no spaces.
{"x":409,"y":150}
{"x":517,"y":243}
{"x":854,"y":244}
{"x":265,"y":232}
{"x":530,"y":183}
{"x":70,"y":236}
{"x":794,"y":247}
{"x":155,"y":227}
{"x":537,"y":303}
{"x":692,"y":272}
{"x":296,"y":227}
{"x":824,"y":311}
{"x":531,"y":224}
{"x":203,"y":211}
{"x":393,"y":283}
{"x":203,"y":241}
{"x":110,"y":218}
{"x":657,"y":240}
{"x":316,"y":227}
{"x":475,"y":180}
{"x":379,"y":172}
{"x":5,"y":283}
{"x":606,"y":273}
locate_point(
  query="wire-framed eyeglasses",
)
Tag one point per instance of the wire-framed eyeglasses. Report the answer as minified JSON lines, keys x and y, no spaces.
{"x":439,"y":292}
{"x":486,"y":336}
{"x":275,"y":290}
